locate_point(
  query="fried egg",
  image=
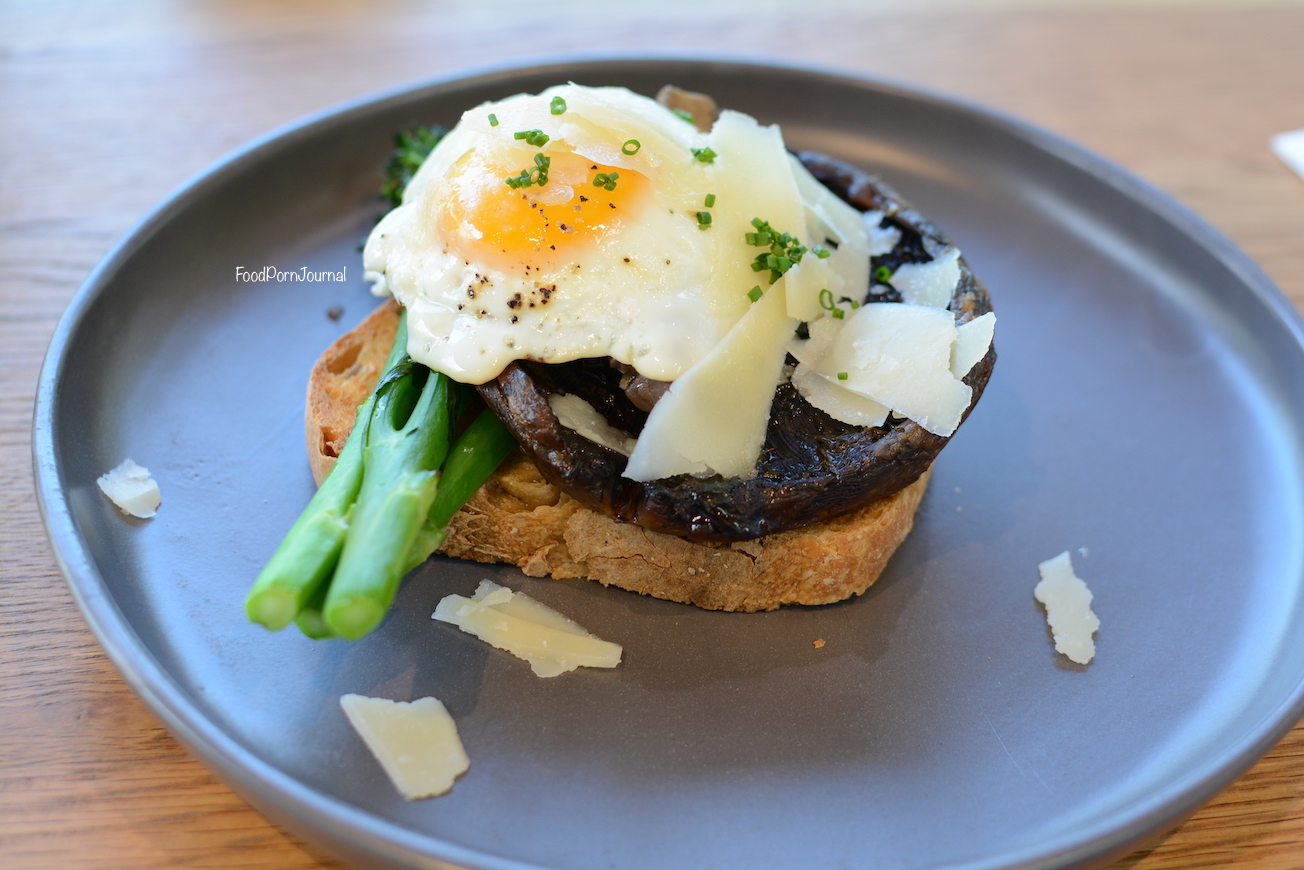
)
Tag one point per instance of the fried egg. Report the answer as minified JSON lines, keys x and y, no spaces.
{"x":590,"y":222}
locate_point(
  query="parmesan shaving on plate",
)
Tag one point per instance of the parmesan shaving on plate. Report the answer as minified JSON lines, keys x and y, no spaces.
{"x":415,"y":742}
{"x":518,"y":624}
{"x":130,"y":487}
{"x":1068,"y":608}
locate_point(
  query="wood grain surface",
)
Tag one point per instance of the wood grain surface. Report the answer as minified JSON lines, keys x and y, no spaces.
{"x":105,"y":108}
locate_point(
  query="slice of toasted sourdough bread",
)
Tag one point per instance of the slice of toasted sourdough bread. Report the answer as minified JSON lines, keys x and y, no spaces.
{"x":519,"y":518}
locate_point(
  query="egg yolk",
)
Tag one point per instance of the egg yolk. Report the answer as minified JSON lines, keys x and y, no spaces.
{"x":483,"y":219}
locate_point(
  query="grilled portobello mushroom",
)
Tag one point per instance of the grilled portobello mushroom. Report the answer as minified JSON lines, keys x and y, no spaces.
{"x":811,"y":468}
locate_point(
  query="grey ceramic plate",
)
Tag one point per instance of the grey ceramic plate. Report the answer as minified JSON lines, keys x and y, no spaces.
{"x":1146,"y":414}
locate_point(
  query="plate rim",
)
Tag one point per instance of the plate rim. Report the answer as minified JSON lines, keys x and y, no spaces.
{"x":356,"y":833}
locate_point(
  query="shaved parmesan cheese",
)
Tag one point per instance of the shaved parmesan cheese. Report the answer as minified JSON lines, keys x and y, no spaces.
{"x":748,"y":151}
{"x":833,"y":225}
{"x":932,"y":283}
{"x":415,"y":742}
{"x":811,"y":350}
{"x":713,"y":418}
{"x":1068,"y":608}
{"x":577,"y":414}
{"x":900,"y":355}
{"x":130,"y":487}
{"x":518,"y":624}
{"x":910,"y":359}
{"x":837,"y":401}
{"x":971,"y":343}
{"x":881,"y":239}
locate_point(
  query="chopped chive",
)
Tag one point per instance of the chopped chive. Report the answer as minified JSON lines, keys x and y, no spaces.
{"x":704,"y":155}
{"x":537,"y":138}
{"x":842,"y":376}
{"x":826,"y":300}
{"x":537,"y":174}
{"x":493,"y":120}
{"x":631,"y":146}
{"x":882,"y":274}
{"x":755,"y":293}
{"x":557,"y":106}
{"x":687,"y":116}
{"x":785,"y":249}
{"x":703,"y":219}
{"x":822,"y":253}
{"x":710,"y":200}
{"x":838,"y":313}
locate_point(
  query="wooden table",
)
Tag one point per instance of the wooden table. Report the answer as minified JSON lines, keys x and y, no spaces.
{"x":105,"y":108}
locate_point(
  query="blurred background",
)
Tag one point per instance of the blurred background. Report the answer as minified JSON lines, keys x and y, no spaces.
{"x":106,"y":107}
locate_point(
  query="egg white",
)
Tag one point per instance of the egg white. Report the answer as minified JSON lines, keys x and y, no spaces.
{"x":657,"y":291}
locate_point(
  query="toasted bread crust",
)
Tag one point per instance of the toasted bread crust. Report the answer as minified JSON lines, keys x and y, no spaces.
{"x":519,"y":518}
{"x":341,"y":380}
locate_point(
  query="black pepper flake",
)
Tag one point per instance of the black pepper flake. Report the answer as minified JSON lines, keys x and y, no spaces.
{"x":583,"y":198}
{"x":515,"y":318}
{"x":564,"y":228}
{"x":470,"y":291}
{"x":514,"y":302}
{"x":626,"y":259}
{"x":612,"y":204}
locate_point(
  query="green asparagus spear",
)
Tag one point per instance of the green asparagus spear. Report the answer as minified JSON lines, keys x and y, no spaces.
{"x":474,"y":456}
{"x":310,"y":621}
{"x":407,"y":440}
{"x":310,"y":550}
{"x":382,"y":511}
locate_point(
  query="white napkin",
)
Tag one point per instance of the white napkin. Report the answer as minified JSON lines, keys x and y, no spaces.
{"x":1290,"y":148}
